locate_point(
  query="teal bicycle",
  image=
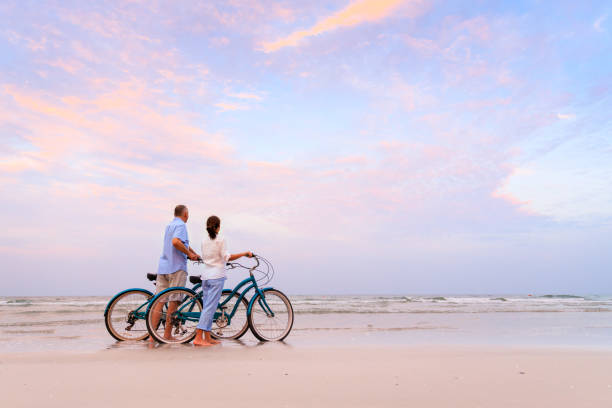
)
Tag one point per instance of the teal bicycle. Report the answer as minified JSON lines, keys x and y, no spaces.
{"x":269,"y":313}
{"x":125,"y":313}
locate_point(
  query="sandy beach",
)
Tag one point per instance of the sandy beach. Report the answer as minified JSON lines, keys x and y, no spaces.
{"x":355,"y":351}
{"x":284,"y":376}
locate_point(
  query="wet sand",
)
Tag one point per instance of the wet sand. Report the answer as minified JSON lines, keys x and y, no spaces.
{"x":278,"y":375}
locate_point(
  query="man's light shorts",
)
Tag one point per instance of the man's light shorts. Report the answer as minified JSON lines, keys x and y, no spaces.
{"x":178,"y":278}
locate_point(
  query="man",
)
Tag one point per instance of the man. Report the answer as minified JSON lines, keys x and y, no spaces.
{"x":172,"y":269}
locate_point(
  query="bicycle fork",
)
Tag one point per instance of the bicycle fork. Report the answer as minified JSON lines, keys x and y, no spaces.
{"x":264,"y":305}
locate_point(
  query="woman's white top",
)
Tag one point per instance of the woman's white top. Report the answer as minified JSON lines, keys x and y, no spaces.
{"x":215,"y":255}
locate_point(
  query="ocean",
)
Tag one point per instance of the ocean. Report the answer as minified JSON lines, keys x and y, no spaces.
{"x":77,"y":323}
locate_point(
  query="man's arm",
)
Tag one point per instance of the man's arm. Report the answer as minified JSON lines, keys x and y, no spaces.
{"x":178,"y":244}
{"x":194,"y":252}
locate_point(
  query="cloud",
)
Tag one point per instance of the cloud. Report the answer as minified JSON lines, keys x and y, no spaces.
{"x":225,"y":106}
{"x":174,"y":77}
{"x":502,"y":191}
{"x":123,"y":122}
{"x":30,"y":43}
{"x":20,"y":164}
{"x":566,"y":116}
{"x":219,"y":41}
{"x":597,"y":24}
{"x":352,"y":160}
{"x":70,"y":66}
{"x":423,"y":45}
{"x":246,"y":95}
{"x":588,"y":199}
{"x":359,"y":12}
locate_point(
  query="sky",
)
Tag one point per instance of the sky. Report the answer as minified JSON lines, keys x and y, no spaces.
{"x":363,"y":147}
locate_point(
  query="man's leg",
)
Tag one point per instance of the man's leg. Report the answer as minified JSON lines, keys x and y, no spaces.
{"x":155,"y":318}
{"x":162,"y":283}
{"x":176,"y":279}
{"x":172,"y":306}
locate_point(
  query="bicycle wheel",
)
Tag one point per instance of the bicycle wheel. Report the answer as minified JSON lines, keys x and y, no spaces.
{"x":268,"y":326}
{"x":125,"y":315}
{"x":179,"y":309}
{"x":234,"y":327}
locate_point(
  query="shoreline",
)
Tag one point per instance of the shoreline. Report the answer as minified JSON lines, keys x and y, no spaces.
{"x":281,"y":375}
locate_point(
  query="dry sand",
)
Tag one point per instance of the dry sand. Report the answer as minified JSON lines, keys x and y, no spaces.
{"x":280,"y":376}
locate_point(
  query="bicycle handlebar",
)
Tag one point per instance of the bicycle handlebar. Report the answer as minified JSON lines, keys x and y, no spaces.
{"x":233,"y":265}
{"x":267,"y":273}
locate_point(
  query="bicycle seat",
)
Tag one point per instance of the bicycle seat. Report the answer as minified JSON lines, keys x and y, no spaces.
{"x":195,"y":279}
{"x":151,"y":276}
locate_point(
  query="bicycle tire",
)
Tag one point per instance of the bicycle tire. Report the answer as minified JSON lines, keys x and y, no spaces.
{"x":187,"y":298}
{"x":217,"y":327}
{"x":257,"y":311}
{"x":110,"y":315}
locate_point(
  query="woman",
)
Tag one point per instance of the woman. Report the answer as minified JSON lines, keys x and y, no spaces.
{"x":215,"y":255}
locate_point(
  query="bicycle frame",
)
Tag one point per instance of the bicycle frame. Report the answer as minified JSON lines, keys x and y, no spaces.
{"x":252,"y":284}
{"x":137,"y":312}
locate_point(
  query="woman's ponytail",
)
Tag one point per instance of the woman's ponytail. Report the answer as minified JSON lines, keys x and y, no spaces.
{"x":212,"y":224}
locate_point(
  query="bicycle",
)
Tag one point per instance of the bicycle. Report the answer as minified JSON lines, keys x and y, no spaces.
{"x":125,"y":313}
{"x":269,"y":313}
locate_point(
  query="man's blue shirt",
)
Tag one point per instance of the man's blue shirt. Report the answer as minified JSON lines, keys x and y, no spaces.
{"x":172,"y":259}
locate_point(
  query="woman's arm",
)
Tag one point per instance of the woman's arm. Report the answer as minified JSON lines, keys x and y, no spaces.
{"x":233,"y":257}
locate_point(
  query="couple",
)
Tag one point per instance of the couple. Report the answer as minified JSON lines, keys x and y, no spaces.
{"x":172,"y":270}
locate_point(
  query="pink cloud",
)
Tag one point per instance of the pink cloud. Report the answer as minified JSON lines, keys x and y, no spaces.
{"x":423,"y":45}
{"x":477,"y":27}
{"x":357,"y":160}
{"x":33,"y":44}
{"x":219,"y":41}
{"x":226,"y":106}
{"x":25,"y":162}
{"x":358,"y":12}
{"x":70,"y":66}
{"x":174,"y":77}
{"x":122,"y":139}
{"x":123,"y":120}
{"x":502,"y":193}
{"x":246,"y":95}
{"x":100,"y":24}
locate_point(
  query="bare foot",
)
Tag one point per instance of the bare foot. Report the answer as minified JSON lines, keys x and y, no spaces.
{"x":202,"y":343}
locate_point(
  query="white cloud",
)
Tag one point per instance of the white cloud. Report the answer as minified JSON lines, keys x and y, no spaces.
{"x":597,"y":24}
{"x":571,"y":183}
{"x":566,"y":116}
